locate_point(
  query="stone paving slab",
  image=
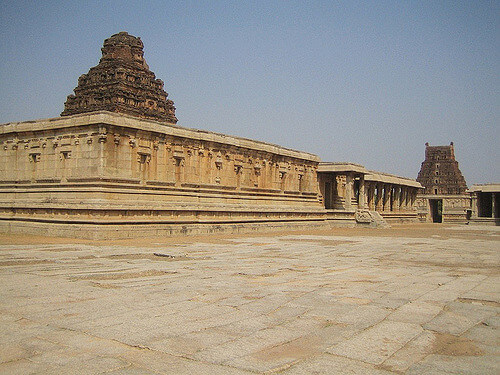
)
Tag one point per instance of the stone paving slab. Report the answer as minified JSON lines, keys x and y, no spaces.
{"x":413,"y":352}
{"x":416,"y":312}
{"x":327,"y":364}
{"x":440,"y":364}
{"x":378,"y":343}
{"x":410,"y":299}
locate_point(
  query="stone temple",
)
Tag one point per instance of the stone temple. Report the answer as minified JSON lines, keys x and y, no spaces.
{"x":439,"y":173}
{"x":115,"y":164}
{"x":445,"y":197}
{"x":122,"y":82}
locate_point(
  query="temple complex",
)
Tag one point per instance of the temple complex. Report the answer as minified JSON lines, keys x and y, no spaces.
{"x":117,"y":165}
{"x":444,"y":198}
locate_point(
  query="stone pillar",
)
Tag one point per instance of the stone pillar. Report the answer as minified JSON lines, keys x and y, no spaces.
{"x":395,"y":199}
{"x":371,"y":196}
{"x":382,"y":196}
{"x":407,"y":199}
{"x":391,"y":198}
{"x":362,"y":193}
{"x":368,"y":190}
{"x":400,"y":198}
{"x":413,"y":195}
{"x":349,"y":181}
{"x":373,"y":207}
{"x":102,"y":139}
{"x":404,"y":198}
{"x":238,"y":170}
{"x":385,"y":197}
{"x":493,"y":206}
{"x":379,"y":205}
{"x":474,"y":205}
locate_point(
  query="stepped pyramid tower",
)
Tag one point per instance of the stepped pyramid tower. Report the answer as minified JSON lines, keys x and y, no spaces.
{"x":123,"y":83}
{"x":439,"y":173}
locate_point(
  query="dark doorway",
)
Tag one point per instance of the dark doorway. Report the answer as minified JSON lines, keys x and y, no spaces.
{"x":485,"y":204}
{"x":496,"y":200}
{"x":436,"y":206}
{"x":328,"y":195}
{"x":356,"y":190}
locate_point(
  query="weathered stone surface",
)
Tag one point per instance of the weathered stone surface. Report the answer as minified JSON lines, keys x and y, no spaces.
{"x":253,"y":304}
{"x":413,"y":352}
{"x":444,"y":198}
{"x":377,"y":344}
{"x":331,"y":364}
{"x":416,"y":311}
{"x":122,"y":82}
{"x":146,"y":178}
{"x":439,"y":173}
{"x":370,"y":218}
{"x":440,"y":364}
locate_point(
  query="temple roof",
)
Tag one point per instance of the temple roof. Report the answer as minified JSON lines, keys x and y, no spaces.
{"x":439,"y":172}
{"x":122,"y":82}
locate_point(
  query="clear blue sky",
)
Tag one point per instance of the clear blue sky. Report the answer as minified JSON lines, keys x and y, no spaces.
{"x":367,"y":82}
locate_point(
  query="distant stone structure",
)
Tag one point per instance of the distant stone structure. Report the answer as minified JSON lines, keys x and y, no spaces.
{"x":444,"y":198}
{"x":123,"y":83}
{"x":439,"y":173}
{"x":485,"y":204}
{"x":348,"y":187}
{"x":116,"y":165}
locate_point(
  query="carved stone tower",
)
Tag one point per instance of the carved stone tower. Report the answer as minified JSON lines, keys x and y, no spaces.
{"x":122,"y":82}
{"x":439,"y":173}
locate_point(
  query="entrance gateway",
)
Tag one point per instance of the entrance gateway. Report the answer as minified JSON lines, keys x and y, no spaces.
{"x":444,"y":185}
{"x":436,"y":207}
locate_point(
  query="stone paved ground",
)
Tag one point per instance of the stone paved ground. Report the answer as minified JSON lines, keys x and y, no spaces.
{"x":410,"y":299}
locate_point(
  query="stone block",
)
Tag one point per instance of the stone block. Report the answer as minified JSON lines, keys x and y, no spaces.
{"x":377,"y":343}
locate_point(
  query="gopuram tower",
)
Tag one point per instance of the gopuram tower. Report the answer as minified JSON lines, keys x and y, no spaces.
{"x":444,"y":198}
{"x":439,"y":173}
{"x":123,"y":83}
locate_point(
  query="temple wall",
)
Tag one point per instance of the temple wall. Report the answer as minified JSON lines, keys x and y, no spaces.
{"x":117,"y":152}
{"x":454,"y":208}
{"x":105,"y":168}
